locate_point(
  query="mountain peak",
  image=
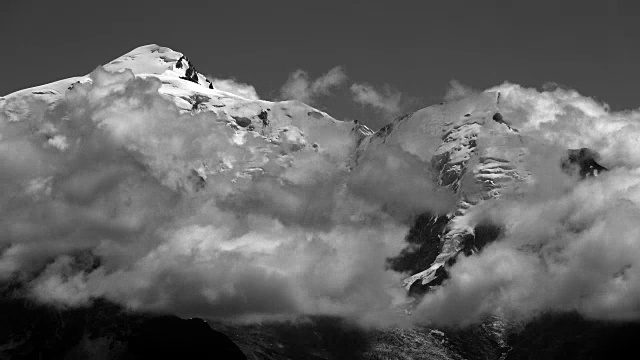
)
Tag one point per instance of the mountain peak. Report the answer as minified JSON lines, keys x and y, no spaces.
{"x":158,"y":60}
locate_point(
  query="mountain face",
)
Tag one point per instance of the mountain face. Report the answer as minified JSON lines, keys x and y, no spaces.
{"x":476,"y":154}
{"x":471,"y":148}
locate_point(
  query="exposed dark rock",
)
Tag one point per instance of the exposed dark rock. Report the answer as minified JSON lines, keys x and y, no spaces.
{"x":72,"y":85}
{"x":190,"y":72}
{"x":423,"y":244}
{"x":385,"y":130}
{"x":191,"y":75}
{"x":242,"y":121}
{"x":483,"y":234}
{"x":423,"y":247}
{"x":497,"y":117}
{"x":264,"y":116}
{"x":418,"y":289}
{"x":315,"y":114}
{"x":582,"y":162}
{"x":179,"y":62}
{"x":197,"y":101}
{"x":449,"y":174}
{"x":403,"y":118}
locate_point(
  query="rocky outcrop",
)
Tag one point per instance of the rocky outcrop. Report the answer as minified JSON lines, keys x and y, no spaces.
{"x":190,"y":72}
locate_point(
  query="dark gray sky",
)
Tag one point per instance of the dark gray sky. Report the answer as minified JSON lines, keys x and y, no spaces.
{"x":416,"y":47}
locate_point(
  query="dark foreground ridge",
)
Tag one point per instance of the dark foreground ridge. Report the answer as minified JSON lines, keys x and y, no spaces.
{"x":333,"y":338}
{"x":105,"y":331}
{"x":571,"y":336}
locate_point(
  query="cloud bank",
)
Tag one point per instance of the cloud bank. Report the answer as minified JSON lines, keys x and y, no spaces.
{"x":113,"y":193}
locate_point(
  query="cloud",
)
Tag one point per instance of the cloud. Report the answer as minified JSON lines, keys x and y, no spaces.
{"x":235,"y":87}
{"x":162,"y":211}
{"x":301,"y":87}
{"x":388,"y":175}
{"x":386,"y":100}
{"x":570,"y":120}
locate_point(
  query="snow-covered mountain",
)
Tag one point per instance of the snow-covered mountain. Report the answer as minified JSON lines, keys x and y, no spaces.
{"x":477,"y":154}
{"x":473,"y":150}
{"x":191,"y":91}
{"x":284,"y":124}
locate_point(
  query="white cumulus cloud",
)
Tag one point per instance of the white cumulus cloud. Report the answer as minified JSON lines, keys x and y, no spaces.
{"x":386,"y":99}
{"x":300,"y":86}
